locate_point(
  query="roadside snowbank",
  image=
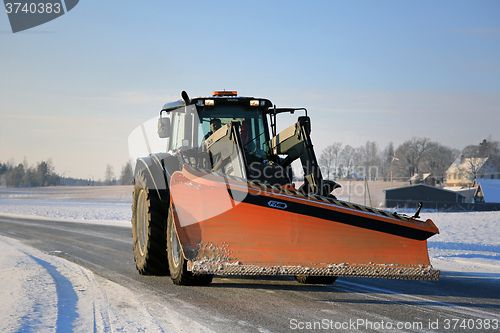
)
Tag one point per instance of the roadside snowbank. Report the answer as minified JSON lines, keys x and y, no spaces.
{"x":44,"y":293}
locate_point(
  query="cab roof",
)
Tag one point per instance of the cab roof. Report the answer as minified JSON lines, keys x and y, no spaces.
{"x":219,"y":98}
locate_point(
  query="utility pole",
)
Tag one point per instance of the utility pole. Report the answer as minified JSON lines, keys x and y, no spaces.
{"x":392,"y":160}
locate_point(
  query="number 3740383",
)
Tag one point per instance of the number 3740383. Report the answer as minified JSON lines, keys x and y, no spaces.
{"x":33,"y":8}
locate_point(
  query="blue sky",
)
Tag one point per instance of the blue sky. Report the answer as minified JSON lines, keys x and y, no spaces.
{"x":74,"y":88}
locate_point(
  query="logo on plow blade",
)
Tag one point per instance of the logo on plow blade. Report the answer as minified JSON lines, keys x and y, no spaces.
{"x":277,"y":204}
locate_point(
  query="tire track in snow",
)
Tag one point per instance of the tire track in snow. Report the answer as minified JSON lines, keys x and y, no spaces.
{"x":66,"y":297}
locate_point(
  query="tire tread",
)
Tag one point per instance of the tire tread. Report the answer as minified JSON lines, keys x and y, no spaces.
{"x":154,"y":261}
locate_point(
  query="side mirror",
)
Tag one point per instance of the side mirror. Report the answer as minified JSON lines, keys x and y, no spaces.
{"x":164,"y":127}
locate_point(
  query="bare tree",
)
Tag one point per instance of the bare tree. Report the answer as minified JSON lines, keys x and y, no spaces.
{"x":388,"y":158}
{"x":369,"y":160}
{"x":438,"y":159}
{"x":471,"y":167}
{"x":486,"y":148}
{"x":126,"y":176}
{"x":329,"y":160}
{"x":109,"y":175}
{"x":490,"y":148}
{"x":347,"y":161}
{"x":471,"y":151}
{"x":410,"y":155}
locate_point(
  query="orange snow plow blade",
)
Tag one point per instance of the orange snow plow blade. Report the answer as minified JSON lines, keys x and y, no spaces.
{"x":229,"y":226}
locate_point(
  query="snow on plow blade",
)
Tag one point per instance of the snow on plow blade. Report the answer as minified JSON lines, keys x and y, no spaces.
{"x":230,"y":226}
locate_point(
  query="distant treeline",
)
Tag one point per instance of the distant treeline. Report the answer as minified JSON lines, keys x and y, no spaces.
{"x":337,"y":162}
{"x":43,"y":174}
{"x":415,"y":156}
{"x":126,"y":176}
{"x":22,"y":175}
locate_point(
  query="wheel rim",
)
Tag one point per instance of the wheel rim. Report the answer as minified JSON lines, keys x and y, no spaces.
{"x":141,"y":222}
{"x":176,"y":247}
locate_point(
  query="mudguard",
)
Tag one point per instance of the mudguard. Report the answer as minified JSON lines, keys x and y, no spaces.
{"x":158,"y":168}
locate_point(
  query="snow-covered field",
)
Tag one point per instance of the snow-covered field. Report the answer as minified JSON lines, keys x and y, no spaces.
{"x":90,"y":204}
{"x":41,"y":292}
{"x":468,"y":242}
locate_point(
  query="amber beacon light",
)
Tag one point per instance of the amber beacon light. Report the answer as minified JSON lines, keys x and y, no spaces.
{"x":225,"y":93}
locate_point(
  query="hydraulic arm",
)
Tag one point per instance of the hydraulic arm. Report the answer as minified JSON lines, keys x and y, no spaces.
{"x":295,"y":142}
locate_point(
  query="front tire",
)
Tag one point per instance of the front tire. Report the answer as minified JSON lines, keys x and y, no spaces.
{"x":149,"y":217}
{"x":178,"y":264}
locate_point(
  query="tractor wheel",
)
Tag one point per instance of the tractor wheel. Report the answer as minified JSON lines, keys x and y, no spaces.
{"x":315,"y":279}
{"x":177,"y":263}
{"x":149,"y":217}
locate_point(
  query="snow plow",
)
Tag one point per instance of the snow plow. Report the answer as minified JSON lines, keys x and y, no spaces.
{"x":219,"y":200}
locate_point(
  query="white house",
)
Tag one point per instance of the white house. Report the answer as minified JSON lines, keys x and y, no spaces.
{"x":464,"y":171}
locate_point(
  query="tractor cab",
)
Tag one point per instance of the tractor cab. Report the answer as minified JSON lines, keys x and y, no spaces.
{"x":249,"y":115}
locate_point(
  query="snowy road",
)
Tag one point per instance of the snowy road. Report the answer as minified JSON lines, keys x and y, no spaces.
{"x":103,"y":292}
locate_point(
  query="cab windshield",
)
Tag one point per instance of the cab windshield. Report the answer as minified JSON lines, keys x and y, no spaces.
{"x":252,"y":125}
